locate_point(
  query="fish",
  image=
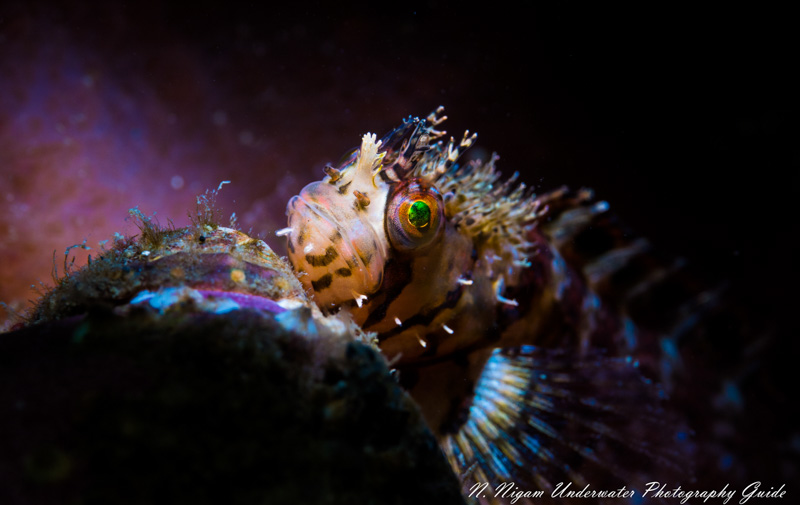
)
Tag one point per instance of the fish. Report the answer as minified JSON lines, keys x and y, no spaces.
{"x":530,"y":329}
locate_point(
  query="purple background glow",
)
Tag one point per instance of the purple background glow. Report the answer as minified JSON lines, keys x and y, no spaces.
{"x":103,"y":108}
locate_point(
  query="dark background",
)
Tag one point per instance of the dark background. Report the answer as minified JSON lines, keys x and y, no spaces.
{"x":684,"y":119}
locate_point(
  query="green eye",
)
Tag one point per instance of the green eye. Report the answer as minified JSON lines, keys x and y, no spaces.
{"x":419,"y":214}
{"x":414,"y":215}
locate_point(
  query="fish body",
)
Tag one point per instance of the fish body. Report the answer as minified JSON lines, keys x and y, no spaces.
{"x":509,"y":315}
{"x":411,"y":284}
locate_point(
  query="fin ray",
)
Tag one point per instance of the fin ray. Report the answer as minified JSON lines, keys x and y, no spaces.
{"x":543,"y":416}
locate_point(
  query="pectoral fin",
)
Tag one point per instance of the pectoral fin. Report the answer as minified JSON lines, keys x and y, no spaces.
{"x":539,"y":417}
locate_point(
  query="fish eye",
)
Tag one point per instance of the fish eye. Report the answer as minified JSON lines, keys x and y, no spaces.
{"x":419,"y":214}
{"x":414,"y":215}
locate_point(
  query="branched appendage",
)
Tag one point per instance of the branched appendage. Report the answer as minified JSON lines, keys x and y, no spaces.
{"x":122,"y":242}
{"x":435,"y":118}
{"x":497,"y":214}
{"x":153,"y":234}
{"x":206,"y":212}
{"x":42,"y":289}
{"x":369,"y":159}
{"x":53,"y":272}
{"x":68,"y":264}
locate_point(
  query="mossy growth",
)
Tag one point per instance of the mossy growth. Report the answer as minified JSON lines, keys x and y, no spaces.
{"x":115,"y":273}
{"x":207,"y":212}
{"x":152,"y":235}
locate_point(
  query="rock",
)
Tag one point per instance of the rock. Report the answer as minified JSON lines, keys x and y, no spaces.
{"x":112,"y":398}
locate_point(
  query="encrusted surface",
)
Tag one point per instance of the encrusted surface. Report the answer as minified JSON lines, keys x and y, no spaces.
{"x":202,"y":256}
{"x":193,"y":407}
{"x":188,"y":366}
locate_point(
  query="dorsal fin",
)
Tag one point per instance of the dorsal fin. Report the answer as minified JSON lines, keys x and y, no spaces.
{"x":660,"y":294}
{"x":693,"y":333}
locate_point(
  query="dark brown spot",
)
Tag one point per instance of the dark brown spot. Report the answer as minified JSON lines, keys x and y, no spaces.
{"x":322,"y":260}
{"x":452,"y":298}
{"x":386,"y":176}
{"x":291,"y":245}
{"x":343,"y":188}
{"x":398,"y":275}
{"x":344,"y":272}
{"x":322,"y":283}
{"x":336,"y":236}
{"x":365,"y":258}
